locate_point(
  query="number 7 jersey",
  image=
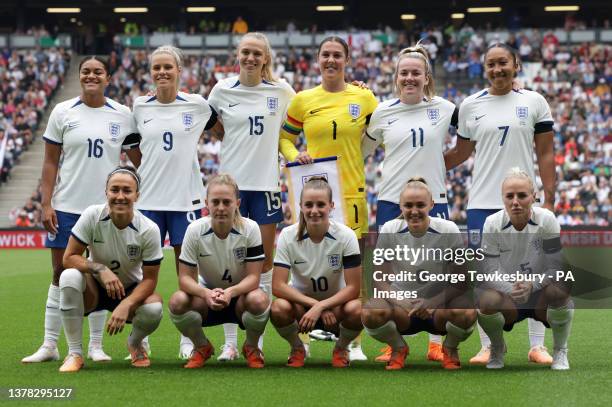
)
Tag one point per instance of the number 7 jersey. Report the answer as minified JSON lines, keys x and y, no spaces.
{"x":503,"y":128}
{"x":170,"y":169}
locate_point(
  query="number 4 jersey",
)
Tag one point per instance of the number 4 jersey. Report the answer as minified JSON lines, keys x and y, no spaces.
{"x":503,"y":128}
{"x":170,"y":170}
{"x":91,"y":140}
{"x":252,"y":117}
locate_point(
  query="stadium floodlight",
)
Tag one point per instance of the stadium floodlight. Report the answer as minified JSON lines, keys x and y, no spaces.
{"x":408,"y":16}
{"x":63,"y":10}
{"x":457,"y":16}
{"x":561,"y":8}
{"x":201,"y":9}
{"x":131,"y":9}
{"x":330,"y":8}
{"x":484,"y":9}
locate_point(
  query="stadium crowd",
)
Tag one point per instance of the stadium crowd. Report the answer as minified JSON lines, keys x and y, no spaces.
{"x":575,"y":80}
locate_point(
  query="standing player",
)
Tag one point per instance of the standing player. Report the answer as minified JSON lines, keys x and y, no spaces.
{"x":387,"y":320}
{"x":502,"y":124}
{"x":88,"y":133}
{"x":170,"y":124}
{"x":226,"y":250}
{"x":120,"y":274}
{"x":527,"y":238}
{"x":252,"y":107}
{"x":413,"y":129}
{"x":323,"y":262}
{"x":333,"y":117}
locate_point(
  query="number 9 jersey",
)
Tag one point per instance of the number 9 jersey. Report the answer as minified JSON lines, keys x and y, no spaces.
{"x":170,"y":170}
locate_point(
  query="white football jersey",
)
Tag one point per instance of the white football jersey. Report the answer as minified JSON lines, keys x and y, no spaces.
{"x":317,"y":269}
{"x":413,"y":136}
{"x":91,"y":140}
{"x":503,"y":128}
{"x":170,"y":170}
{"x":535,"y":249}
{"x":221,"y":262}
{"x":441,"y":234}
{"x":124,"y":251}
{"x":252,"y":117}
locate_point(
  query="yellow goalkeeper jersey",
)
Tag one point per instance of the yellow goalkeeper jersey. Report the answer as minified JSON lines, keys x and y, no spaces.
{"x":333,"y":124}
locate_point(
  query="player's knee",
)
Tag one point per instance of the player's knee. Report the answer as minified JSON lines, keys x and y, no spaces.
{"x":462,"y":317}
{"x":374,"y":316}
{"x":150,"y":313}
{"x":556,"y":295}
{"x":72,"y":278}
{"x":490,"y":301}
{"x":257,"y":302}
{"x":281,"y":312}
{"x":352,"y":309}
{"x":179,"y":303}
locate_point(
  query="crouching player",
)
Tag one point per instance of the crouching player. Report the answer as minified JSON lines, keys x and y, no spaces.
{"x":524,"y":239}
{"x":437,"y":311}
{"x":226,"y":250}
{"x":322,"y":259}
{"x":120,"y":274}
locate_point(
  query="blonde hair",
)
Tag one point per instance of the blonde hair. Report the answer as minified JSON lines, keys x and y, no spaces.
{"x":266,"y":69}
{"x":417,"y":52}
{"x":315,"y":182}
{"x":415,"y":183}
{"x":226,"y":179}
{"x":517,"y":173}
{"x":175,"y":53}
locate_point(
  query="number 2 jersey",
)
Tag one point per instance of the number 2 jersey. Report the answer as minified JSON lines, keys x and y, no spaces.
{"x":91,"y":141}
{"x":503,"y":128}
{"x":414,"y":137}
{"x":170,"y":170}
{"x":252,"y":117}
{"x":317,"y":269}
{"x":221,"y":262}
{"x":124,"y":251}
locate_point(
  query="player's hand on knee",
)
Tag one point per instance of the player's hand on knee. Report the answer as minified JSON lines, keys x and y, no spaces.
{"x":520,"y":292}
{"x":112,"y":284}
{"x":329,"y":319}
{"x":118,"y":319}
{"x":304,"y":158}
{"x":309,"y":319}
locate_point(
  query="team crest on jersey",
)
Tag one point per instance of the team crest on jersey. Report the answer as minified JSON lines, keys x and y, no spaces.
{"x":188,"y":120}
{"x":272,"y":105}
{"x":354,"y":110}
{"x":133,"y":252}
{"x":522,"y":112}
{"x":474,"y":236}
{"x":240,"y":253}
{"x":433,"y":115}
{"x":537,"y":245}
{"x":334,"y":261}
{"x":114,"y":129}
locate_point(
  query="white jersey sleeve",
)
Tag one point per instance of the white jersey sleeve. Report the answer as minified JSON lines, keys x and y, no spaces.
{"x":252,"y":117}
{"x":170,"y":169}
{"x":91,"y":140}
{"x":83,"y":229}
{"x":374,"y":133}
{"x":189,"y":248}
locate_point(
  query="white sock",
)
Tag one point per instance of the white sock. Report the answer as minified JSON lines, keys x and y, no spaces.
{"x":96,"y":328}
{"x":485,"y":341}
{"x":185,"y":341}
{"x":190,"y":325}
{"x":231,"y":334}
{"x":435,"y":338}
{"x":265,"y":283}
{"x":53,"y":317}
{"x":455,"y":335}
{"x":255,"y":326}
{"x":536,"y":332}
{"x":290,"y":333}
{"x":346,"y":336}
{"x":493,"y":325}
{"x":560,"y":320}
{"x":146,"y":320}
{"x":388,"y":334}
{"x":72,"y":286}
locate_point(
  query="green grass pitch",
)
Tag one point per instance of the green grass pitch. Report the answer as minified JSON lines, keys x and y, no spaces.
{"x":25,"y":276}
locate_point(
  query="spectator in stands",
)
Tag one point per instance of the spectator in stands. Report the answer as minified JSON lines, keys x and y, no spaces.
{"x":240,"y":26}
